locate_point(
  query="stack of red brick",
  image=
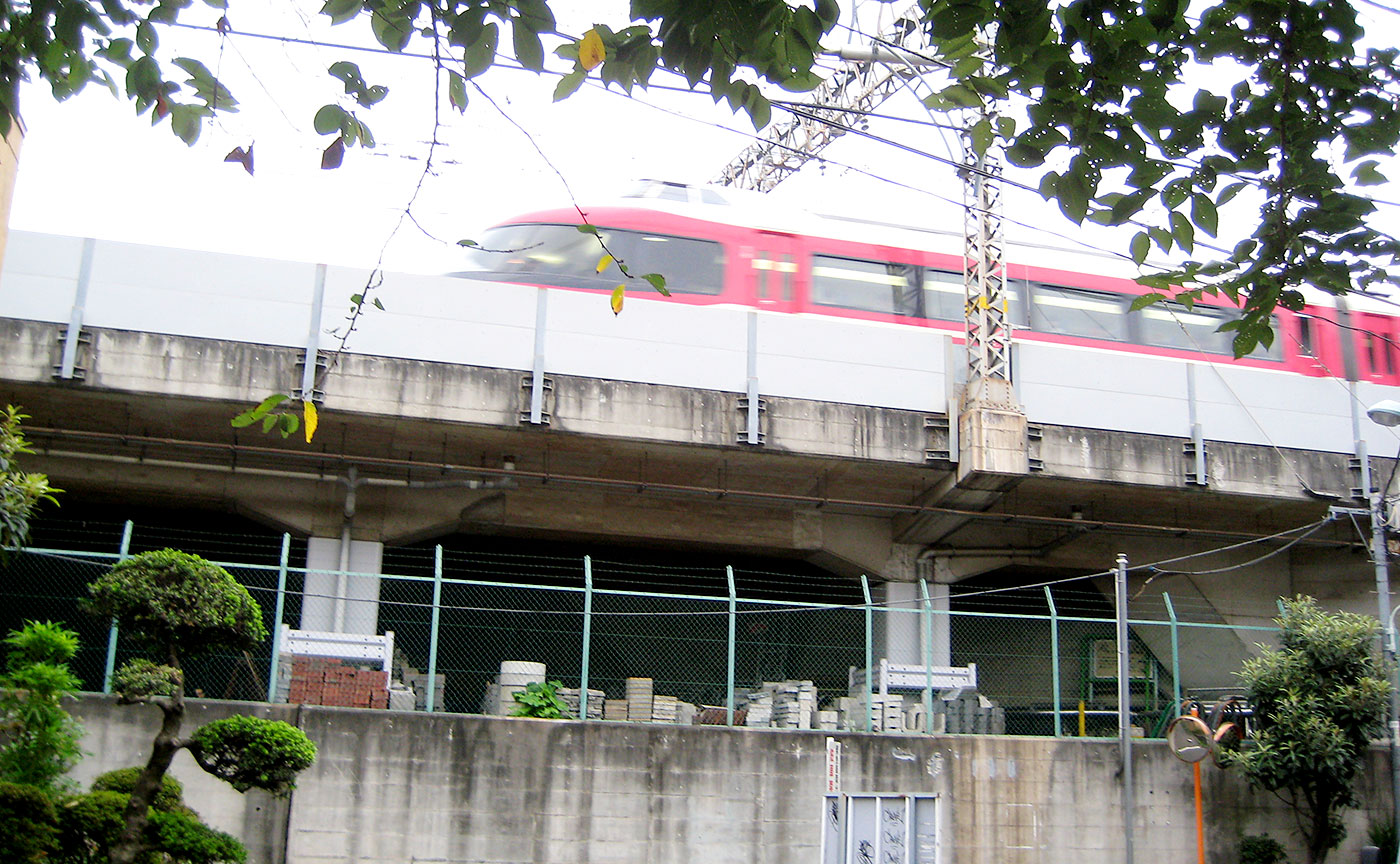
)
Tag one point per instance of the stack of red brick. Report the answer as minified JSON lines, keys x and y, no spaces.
{"x":326,"y":681}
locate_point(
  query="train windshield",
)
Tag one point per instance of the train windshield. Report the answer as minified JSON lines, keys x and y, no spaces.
{"x":562,"y":255}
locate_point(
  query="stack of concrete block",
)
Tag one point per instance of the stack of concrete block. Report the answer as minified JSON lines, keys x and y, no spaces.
{"x":884,"y":713}
{"x":572,"y":697}
{"x":615,"y":709}
{"x":639,"y":699}
{"x":330,"y":681}
{"x":968,"y":713}
{"x":418,"y":682}
{"x":758,"y":706}
{"x":664,"y":709}
{"x":829,"y":719}
{"x":794,"y":703}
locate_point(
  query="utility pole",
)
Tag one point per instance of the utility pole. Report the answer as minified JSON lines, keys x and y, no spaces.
{"x":992,"y":429}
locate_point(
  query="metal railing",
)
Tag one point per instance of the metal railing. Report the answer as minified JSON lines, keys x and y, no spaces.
{"x":1044,"y":656}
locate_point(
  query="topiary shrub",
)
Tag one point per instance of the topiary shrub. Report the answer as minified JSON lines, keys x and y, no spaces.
{"x":253,"y":753}
{"x":170,"y":796}
{"x":28,"y":824}
{"x":180,"y":606}
{"x":90,"y":826}
{"x":188,"y":841}
{"x":175,"y":600}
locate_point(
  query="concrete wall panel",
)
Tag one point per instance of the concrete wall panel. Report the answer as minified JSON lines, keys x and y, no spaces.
{"x":394,"y":788}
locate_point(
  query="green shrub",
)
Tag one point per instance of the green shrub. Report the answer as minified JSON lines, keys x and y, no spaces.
{"x":188,"y":841}
{"x":170,"y":797}
{"x":175,"y":600}
{"x":1382,"y":835}
{"x":1260,"y":849}
{"x":90,"y":824}
{"x":41,"y":738}
{"x":28,"y":824}
{"x":253,"y":753}
{"x":540,"y":700}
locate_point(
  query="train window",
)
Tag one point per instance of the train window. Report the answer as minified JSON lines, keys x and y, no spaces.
{"x":564,"y":256}
{"x":1305,"y":336}
{"x":1172,"y":325}
{"x":690,"y":266}
{"x":869,"y":286}
{"x":1078,"y":313}
{"x":944,"y":295}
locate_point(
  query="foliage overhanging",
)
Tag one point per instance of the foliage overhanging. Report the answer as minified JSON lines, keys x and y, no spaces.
{"x":1115,"y":124}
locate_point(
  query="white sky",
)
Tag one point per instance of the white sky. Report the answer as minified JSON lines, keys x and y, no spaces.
{"x":90,"y":167}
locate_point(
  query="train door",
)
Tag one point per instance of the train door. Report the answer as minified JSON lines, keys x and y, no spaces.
{"x":773,"y":267}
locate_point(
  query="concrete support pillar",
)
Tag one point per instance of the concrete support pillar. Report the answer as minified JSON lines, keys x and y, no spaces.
{"x":898,"y":624}
{"x":343,"y":602}
{"x":942,"y":624}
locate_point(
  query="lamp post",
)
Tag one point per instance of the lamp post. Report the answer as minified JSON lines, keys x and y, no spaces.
{"x":1386,"y":413}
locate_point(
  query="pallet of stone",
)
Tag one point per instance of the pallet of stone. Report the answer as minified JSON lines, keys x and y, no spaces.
{"x":571,"y":697}
{"x":419,"y":682}
{"x":615,"y":709}
{"x":663,"y":709}
{"x":639,"y":699}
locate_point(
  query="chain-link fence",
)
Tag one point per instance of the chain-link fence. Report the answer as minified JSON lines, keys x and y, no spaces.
{"x":677,"y":644}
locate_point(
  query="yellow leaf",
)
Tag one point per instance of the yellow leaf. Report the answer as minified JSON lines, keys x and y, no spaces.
{"x":603,"y":263}
{"x":308,"y":419}
{"x":617,"y":299}
{"x":591,"y":51}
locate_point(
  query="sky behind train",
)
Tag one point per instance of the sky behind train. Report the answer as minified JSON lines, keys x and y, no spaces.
{"x":90,"y":167}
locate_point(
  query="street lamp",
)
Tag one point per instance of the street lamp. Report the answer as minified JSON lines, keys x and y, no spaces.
{"x":1386,"y":413}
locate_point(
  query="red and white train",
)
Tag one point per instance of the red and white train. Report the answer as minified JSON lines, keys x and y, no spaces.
{"x":711,"y":253}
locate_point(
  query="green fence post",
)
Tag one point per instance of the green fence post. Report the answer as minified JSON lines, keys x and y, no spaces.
{"x":729,"y":673}
{"x":928,"y":656}
{"x":277,"y":618}
{"x":430,"y":703}
{"x":1176,"y":653}
{"x":587,"y":636}
{"x":1054,"y":659}
{"x":111,"y":666}
{"x":869,"y":656}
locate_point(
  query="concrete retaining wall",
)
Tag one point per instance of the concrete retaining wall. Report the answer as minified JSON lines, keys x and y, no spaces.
{"x":394,"y":788}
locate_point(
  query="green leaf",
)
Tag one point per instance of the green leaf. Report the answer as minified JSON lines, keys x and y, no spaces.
{"x":658,"y":282}
{"x":569,"y":84}
{"x":328,"y":120}
{"x":378,"y":304}
{"x":290,"y":423}
{"x":186,"y":121}
{"x":457,"y":91}
{"x":1203,"y":213}
{"x":146,"y":37}
{"x":1140,"y":246}
{"x":1182,"y":231}
{"x":347,"y":73}
{"x":391,"y":29}
{"x":482,"y":53}
{"x":340,"y":11}
{"x":269,"y":421}
{"x":585,"y":228}
{"x":1144,"y":300}
{"x":1368,"y":174}
{"x":528,"y":50}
